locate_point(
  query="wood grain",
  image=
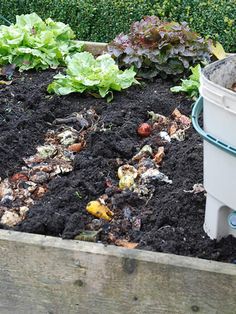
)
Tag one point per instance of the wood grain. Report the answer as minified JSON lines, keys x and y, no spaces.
{"x":95,"y":48}
{"x":41,"y":274}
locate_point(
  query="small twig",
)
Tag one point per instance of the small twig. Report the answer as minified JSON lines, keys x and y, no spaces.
{"x":65,"y":120}
{"x":148,"y":200}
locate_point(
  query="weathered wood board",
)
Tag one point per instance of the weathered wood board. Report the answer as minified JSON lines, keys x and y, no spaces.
{"x":41,"y":274}
{"x":95,"y":48}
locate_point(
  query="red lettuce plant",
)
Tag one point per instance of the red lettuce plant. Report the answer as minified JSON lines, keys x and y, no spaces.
{"x":155,"y":47}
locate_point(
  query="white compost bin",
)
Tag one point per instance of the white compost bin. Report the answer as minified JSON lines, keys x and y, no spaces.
{"x":218,"y":103}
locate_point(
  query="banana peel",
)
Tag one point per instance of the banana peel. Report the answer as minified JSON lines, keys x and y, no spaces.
{"x":99,"y":210}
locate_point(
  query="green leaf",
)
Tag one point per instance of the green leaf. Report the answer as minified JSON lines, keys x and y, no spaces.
{"x":33,"y":43}
{"x":29,"y":21}
{"x":190,"y":85}
{"x":96,"y":76}
{"x":110,"y":97}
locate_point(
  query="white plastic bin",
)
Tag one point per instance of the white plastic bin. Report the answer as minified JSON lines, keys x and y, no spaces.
{"x":219,"y":114}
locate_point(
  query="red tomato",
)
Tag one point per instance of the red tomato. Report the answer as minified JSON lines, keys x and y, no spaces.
{"x":144,"y":130}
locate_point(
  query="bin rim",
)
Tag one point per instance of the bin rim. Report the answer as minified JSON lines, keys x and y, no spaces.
{"x":216,"y":93}
{"x":196,"y":111}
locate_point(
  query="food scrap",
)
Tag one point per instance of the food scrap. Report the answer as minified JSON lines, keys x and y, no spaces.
{"x":172,"y":127}
{"x":55,"y":157}
{"x":144,"y":130}
{"x":99,"y":210}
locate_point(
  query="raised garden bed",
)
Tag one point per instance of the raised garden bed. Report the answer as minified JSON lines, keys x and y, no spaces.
{"x":68,"y":276}
{"x":50,"y":275}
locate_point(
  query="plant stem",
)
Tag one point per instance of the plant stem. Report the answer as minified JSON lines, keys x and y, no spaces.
{"x":5,"y":20}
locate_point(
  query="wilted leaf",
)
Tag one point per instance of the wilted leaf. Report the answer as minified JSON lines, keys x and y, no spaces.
{"x":159,"y":155}
{"x":184,"y":120}
{"x":158,"y":117}
{"x":145,"y":151}
{"x":5,"y":82}
{"x":40,"y":191}
{"x":68,"y":137}
{"x":179,"y":135}
{"x":88,"y":236}
{"x":19,"y":177}
{"x":217,"y":50}
{"x":172,"y":128}
{"x":47,"y":151}
{"x":197,"y":188}
{"x":76,"y":147}
{"x":126,"y":244}
{"x":176,"y":114}
{"x":233,"y":87}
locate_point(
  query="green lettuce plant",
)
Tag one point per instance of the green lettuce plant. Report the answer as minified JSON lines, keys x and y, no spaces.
{"x":155,"y":47}
{"x":97,"y":76}
{"x":34,"y":43}
{"x":190,"y":85}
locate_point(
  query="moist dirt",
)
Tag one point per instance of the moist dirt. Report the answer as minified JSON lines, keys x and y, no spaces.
{"x":170,"y":221}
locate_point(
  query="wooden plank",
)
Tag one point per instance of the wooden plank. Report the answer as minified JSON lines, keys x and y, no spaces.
{"x":41,"y":274}
{"x":95,"y":48}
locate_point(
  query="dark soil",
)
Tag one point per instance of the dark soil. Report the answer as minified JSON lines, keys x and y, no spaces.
{"x":171,"y":221}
